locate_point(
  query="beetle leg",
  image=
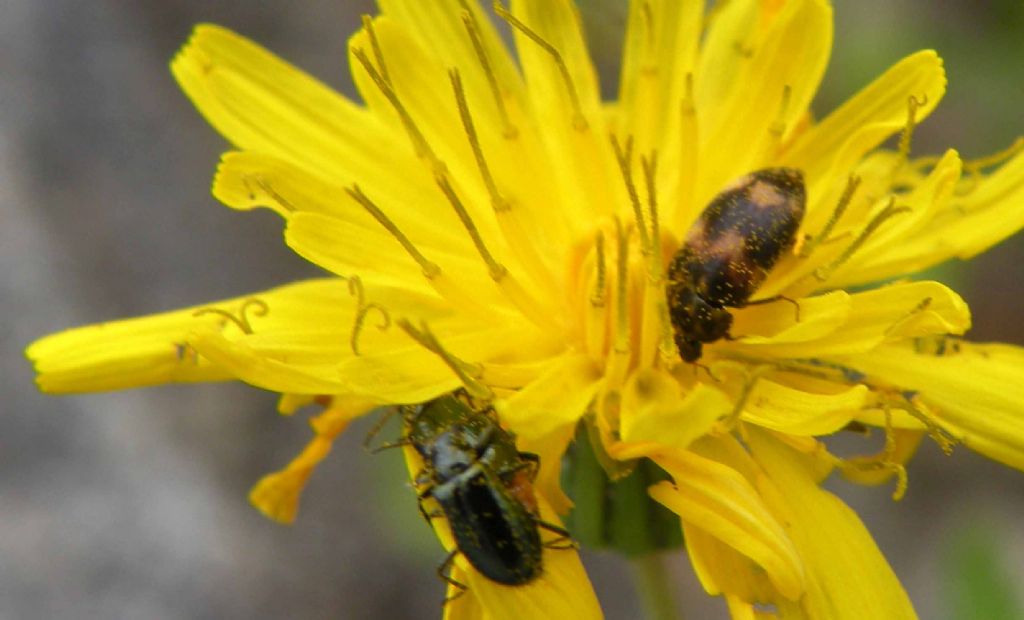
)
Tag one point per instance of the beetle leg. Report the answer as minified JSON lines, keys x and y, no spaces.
{"x":442,"y":572}
{"x":485,"y":440}
{"x":564,"y":540}
{"x":531,"y":462}
{"x":423,"y":477}
{"x":420,"y":497}
{"x":775,"y":298}
{"x":430,"y":516}
{"x":376,"y":429}
{"x":401,"y":443}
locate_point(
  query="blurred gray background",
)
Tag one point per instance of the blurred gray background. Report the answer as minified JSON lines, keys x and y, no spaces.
{"x":133,"y":505}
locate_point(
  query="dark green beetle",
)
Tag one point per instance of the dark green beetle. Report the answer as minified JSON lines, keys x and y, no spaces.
{"x":483,"y":485}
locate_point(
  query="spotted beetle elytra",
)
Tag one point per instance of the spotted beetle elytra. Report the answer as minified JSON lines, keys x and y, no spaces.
{"x":728,"y":253}
{"x":483,"y":485}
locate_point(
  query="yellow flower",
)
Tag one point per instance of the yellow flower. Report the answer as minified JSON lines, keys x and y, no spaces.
{"x":497,"y":227}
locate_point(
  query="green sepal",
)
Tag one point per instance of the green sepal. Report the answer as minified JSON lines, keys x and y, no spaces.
{"x":616,"y":515}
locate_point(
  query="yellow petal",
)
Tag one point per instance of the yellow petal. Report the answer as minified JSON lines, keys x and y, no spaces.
{"x":424,"y":105}
{"x":288,"y":404}
{"x":741,"y":610}
{"x":776,"y":323}
{"x":887,"y":314}
{"x":945,"y":223}
{"x":347,"y":247}
{"x":988,"y":214}
{"x":421,"y":84}
{"x":829,"y":150}
{"x":272,"y":364}
{"x":276,"y":495}
{"x":660,"y":52}
{"x":902,"y":244}
{"x":155,"y":349}
{"x":797,"y":412}
{"x":557,"y":398}
{"x":976,"y":391}
{"x":558,"y":23}
{"x":247,"y":179}
{"x":743,"y":122}
{"x":302,"y":344}
{"x":723,"y":570}
{"x":568,"y":106}
{"x":720,"y":61}
{"x":655,"y":411}
{"x":259,"y":102}
{"x":317,"y":357}
{"x":438,"y":26}
{"x":830,"y":539}
{"x":550,"y":449}
{"x":719,"y":500}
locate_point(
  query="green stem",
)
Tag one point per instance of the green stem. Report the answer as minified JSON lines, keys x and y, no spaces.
{"x":653,"y":587}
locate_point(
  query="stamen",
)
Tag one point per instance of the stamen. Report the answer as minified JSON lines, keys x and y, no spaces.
{"x":469,"y":21}
{"x":579,"y":121}
{"x":375,"y":46}
{"x":377,"y":427}
{"x":430,"y":270}
{"x":753,"y":376}
{"x":973,"y":167}
{"x":844,"y":201}
{"x":496,"y":269}
{"x":923,"y":165}
{"x":655,"y":277}
{"x":597,"y":297}
{"x":649,"y":167}
{"x":778,"y":126}
{"x":625,"y":159}
{"x":889,"y":453}
{"x":988,"y":161}
{"x":419,"y":143}
{"x":911,"y":403}
{"x":650,"y":66}
{"x":920,"y":307}
{"x":648,"y":22}
{"x":822,"y":273}
{"x":256,"y":179}
{"x":497,"y":201}
{"x":355,"y":287}
{"x":622,"y":301}
{"x":883,"y":461}
{"x":241,"y":320}
{"x":648,"y":14}
{"x":913,"y":103}
{"x":510,"y":225}
{"x":689,"y":103}
{"x":466,"y":372}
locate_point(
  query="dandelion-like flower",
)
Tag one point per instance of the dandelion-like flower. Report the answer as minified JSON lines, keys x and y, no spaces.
{"x":496,"y":229}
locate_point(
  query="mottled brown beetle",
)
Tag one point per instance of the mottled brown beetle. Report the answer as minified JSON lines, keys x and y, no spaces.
{"x":728,"y":252}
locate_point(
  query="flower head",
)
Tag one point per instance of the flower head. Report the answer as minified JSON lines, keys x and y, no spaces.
{"x":494,"y":227}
